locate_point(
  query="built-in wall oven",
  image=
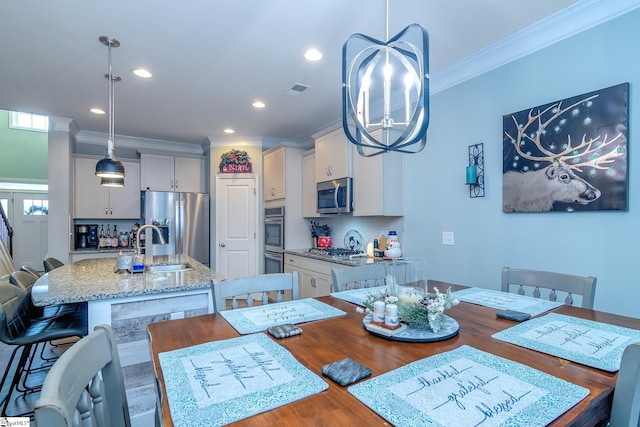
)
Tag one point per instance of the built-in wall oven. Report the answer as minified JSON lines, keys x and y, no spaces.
{"x":274,"y":240}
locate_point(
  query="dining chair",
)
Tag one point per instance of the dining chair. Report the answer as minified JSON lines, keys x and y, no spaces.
{"x":86,"y":383}
{"x":625,"y":409}
{"x":358,"y":277}
{"x":246,"y":287}
{"x":51,"y":263}
{"x":552,"y":282}
{"x":18,"y":329}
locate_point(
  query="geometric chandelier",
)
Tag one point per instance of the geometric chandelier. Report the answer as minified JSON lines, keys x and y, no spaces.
{"x":385,"y":91}
{"x":109,"y":169}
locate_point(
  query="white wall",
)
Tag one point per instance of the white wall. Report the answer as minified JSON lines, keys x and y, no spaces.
{"x":603,"y":244}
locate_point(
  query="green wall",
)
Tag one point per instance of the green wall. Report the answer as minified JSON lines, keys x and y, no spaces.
{"x":23,"y":153}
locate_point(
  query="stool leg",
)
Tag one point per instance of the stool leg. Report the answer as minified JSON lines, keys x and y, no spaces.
{"x":26,"y":350}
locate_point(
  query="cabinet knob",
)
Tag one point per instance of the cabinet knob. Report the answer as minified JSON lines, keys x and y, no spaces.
{"x":221,"y":244}
{"x":176,"y":184}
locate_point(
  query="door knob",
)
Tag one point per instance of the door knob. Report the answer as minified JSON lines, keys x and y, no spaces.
{"x":221,"y":244}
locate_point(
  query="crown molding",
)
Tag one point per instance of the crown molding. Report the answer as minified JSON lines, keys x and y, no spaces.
{"x":140,"y":144}
{"x":562,"y":25}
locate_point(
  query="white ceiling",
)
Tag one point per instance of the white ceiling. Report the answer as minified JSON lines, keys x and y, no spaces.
{"x":212,"y":59}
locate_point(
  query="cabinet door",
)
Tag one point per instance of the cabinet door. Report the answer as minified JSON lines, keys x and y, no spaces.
{"x":156,"y":172}
{"x":333,"y":156}
{"x":309,"y":199}
{"x":323,"y":285}
{"x":274,"y":175}
{"x":378,"y":184}
{"x":189,"y":175}
{"x":124,"y":202}
{"x":91,"y":199}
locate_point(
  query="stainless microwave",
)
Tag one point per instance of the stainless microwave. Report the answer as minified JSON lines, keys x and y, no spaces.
{"x":335,"y":197}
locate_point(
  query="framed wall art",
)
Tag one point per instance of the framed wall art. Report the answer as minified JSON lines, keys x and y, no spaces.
{"x":568,"y":155}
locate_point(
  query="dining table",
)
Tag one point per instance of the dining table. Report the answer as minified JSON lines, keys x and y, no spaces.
{"x":325,"y":341}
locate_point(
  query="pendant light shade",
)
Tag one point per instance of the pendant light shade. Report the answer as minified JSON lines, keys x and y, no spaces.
{"x":110,"y":169}
{"x":112,"y":182}
{"x":385,"y":91}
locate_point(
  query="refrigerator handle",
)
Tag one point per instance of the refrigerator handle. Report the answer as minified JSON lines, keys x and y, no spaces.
{"x":180,"y":224}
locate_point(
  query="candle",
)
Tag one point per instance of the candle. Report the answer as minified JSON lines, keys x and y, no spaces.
{"x":472,"y":175}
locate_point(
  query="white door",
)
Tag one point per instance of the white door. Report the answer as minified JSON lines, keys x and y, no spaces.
{"x":30,"y":229}
{"x":236,"y":225}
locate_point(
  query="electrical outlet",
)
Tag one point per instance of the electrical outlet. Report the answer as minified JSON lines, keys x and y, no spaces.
{"x":447,"y":238}
{"x":177,"y":315}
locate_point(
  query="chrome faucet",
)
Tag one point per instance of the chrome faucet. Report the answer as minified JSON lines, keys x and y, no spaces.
{"x":153,"y":227}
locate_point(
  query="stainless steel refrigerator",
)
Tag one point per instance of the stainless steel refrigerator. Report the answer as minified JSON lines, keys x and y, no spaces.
{"x":183,"y":219}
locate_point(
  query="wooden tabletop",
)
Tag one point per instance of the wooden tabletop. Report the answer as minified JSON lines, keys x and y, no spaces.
{"x":334,"y":339}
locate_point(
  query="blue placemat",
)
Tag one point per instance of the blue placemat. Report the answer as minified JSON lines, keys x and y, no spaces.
{"x":468,"y":387}
{"x":358,"y":296}
{"x":590,"y":343}
{"x":259,"y":318}
{"x":505,"y":301}
{"x":220,"y":382}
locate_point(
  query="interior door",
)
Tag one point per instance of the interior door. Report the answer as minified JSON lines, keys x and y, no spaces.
{"x":30,"y":229}
{"x":236,"y":225}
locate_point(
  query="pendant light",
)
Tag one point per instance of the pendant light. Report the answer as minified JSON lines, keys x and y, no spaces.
{"x":110,"y":169}
{"x":385,"y":91}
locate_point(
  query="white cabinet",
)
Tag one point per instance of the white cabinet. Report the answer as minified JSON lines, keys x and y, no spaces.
{"x":333,"y":156}
{"x":314,"y":276}
{"x":95,"y":201}
{"x":378,"y":184}
{"x":275,"y":174}
{"x":169,"y":173}
{"x":309,"y":198}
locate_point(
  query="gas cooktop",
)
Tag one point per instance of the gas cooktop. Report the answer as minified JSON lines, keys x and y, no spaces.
{"x":334,"y":252}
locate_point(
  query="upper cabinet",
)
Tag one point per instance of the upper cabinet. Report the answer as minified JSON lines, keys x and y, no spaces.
{"x":378,"y":184}
{"x":333,"y":156}
{"x":169,"y":173}
{"x":93,"y":201}
{"x":275,"y":174}
{"x":309,"y":199}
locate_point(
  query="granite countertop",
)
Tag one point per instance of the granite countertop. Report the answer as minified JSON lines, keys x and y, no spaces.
{"x":95,"y":279}
{"x":102,"y":251}
{"x":353,"y":262}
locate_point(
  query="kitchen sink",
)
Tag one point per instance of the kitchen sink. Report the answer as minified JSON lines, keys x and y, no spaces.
{"x":165,"y":267}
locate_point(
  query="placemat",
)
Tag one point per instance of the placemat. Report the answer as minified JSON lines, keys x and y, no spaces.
{"x":468,"y":387}
{"x":590,"y":343}
{"x":220,"y":382}
{"x":258,"y":318}
{"x":505,"y":301}
{"x":358,"y":296}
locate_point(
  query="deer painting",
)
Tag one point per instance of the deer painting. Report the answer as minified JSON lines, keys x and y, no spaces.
{"x":548,"y":168}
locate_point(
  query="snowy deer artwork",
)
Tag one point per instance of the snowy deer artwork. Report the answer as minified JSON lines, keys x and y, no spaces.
{"x":568,"y":155}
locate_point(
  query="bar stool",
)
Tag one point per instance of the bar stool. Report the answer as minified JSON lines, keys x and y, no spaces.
{"x":19,"y":330}
{"x":35,"y":273}
{"x":51,"y":264}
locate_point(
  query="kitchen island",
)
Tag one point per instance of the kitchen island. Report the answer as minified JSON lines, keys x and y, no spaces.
{"x":129,"y":302}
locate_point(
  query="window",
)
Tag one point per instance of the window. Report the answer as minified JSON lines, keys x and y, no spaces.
{"x":36,"y":207}
{"x":28,"y":121}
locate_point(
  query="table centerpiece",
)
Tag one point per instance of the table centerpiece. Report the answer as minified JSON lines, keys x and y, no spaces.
{"x":416,"y":310}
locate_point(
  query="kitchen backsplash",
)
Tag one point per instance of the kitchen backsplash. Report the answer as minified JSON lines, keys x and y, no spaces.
{"x":369,"y":227}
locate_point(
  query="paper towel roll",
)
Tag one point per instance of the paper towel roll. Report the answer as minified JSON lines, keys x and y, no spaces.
{"x":370,"y":249}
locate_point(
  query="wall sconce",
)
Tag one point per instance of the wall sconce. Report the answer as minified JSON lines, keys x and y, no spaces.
{"x":475,"y":171}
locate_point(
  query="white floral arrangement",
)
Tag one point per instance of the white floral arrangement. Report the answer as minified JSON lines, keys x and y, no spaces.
{"x":427,"y":312}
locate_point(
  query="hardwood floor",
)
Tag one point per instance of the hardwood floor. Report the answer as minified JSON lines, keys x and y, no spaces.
{"x":24,"y":403}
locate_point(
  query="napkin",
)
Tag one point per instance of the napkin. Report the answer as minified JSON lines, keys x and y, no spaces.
{"x":346,"y":371}
{"x":283,"y":331}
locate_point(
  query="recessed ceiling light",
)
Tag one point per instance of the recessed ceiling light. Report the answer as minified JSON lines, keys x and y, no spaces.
{"x":229,"y":130}
{"x":259,"y":104}
{"x":141,"y":72}
{"x":97,"y":110}
{"x":313,"y":55}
